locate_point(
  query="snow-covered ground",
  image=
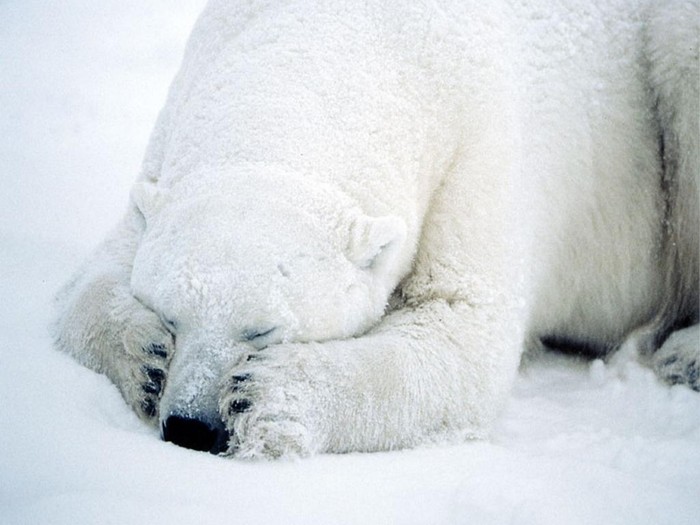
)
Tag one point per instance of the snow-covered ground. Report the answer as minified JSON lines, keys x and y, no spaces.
{"x":80,"y":85}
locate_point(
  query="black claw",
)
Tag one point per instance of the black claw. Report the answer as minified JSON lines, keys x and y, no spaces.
{"x":237,"y":380}
{"x":157,"y":349}
{"x":693,"y":373}
{"x":148,"y":406}
{"x":151,"y":387}
{"x":238,"y":406}
{"x":154,"y":374}
{"x":155,"y":380}
{"x":254,"y":357}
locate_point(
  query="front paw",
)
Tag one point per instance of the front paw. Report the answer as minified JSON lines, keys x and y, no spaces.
{"x":270,"y":404}
{"x":142,"y":367}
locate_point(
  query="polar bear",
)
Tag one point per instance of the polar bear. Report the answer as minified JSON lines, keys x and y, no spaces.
{"x":354,"y":216}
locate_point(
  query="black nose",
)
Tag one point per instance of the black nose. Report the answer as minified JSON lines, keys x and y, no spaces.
{"x":192,"y":433}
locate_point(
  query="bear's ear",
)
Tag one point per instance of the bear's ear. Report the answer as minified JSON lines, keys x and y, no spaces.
{"x":148,"y":198}
{"x":374,"y":241}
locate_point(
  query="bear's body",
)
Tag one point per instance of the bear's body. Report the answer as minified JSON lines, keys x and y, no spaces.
{"x":351,"y":217}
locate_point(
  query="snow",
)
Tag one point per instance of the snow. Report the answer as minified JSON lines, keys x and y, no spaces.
{"x":81,"y":85}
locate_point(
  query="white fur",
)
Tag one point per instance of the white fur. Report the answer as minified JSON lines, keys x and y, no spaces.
{"x":490,"y":171}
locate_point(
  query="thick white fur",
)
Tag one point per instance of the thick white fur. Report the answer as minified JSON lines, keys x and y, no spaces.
{"x":355,"y":214}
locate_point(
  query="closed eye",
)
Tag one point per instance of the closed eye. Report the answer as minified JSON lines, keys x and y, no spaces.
{"x":253,"y":334}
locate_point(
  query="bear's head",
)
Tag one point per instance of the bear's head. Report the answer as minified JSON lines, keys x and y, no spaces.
{"x":235,"y":266}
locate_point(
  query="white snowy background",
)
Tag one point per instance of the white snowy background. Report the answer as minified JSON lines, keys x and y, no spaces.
{"x":81,"y":82}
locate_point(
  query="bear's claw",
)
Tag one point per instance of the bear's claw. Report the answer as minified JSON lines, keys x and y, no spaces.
{"x":237,"y":380}
{"x":156,"y":377}
{"x":238,"y":406}
{"x":156,"y":349}
{"x":148,"y":407}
